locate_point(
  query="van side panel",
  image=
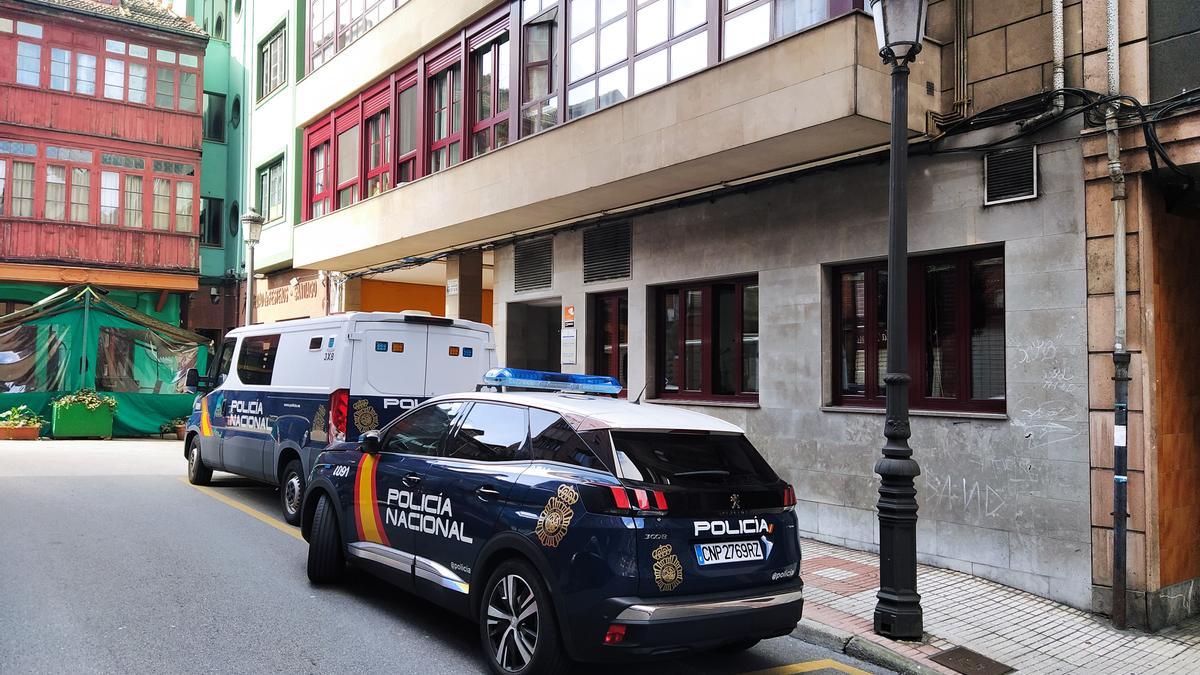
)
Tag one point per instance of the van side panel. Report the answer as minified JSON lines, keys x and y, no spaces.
{"x":311,"y":362}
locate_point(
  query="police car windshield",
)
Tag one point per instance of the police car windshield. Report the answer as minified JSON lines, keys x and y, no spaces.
{"x":665,"y":458}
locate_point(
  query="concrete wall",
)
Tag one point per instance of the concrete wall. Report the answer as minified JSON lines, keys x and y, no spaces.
{"x":1006,"y":496}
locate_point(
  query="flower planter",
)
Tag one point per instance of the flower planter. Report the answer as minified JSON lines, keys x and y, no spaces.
{"x":180,"y":432}
{"x":76,"y":421}
{"x":19,"y":433}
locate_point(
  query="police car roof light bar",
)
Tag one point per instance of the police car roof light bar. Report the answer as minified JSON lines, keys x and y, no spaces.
{"x":539,"y":379}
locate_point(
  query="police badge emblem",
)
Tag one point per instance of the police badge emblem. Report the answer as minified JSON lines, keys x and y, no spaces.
{"x":365,"y":417}
{"x":320,"y":419}
{"x":668,"y":571}
{"x":554,"y":520}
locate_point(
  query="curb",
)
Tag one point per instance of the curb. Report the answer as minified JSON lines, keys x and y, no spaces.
{"x":835,"y":639}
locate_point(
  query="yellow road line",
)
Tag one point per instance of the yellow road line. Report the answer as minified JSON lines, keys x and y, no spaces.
{"x":810,"y":666}
{"x":250,"y":511}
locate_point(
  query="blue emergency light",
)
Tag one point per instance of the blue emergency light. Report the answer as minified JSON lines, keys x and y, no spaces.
{"x":538,"y":379}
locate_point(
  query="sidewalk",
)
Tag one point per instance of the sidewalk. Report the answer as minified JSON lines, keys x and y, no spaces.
{"x":1021,"y":630}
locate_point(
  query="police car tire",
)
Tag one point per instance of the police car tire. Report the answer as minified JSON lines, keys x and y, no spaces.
{"x":326,"y":561}
{"x":548,"y":655}
{"x":198,"y":473}
{"x":293,"y":467}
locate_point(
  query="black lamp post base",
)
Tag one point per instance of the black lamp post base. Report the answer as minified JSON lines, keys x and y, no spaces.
{"x":900,"y":617}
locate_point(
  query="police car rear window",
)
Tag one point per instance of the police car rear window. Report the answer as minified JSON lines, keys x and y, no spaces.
{"x":665,"y":458}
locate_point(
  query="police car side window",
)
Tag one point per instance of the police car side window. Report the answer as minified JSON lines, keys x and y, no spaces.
{"x":490,"y":433}
{"x":256,"y":362}
{"x":553,"y":440}
{"x":421,"y":431}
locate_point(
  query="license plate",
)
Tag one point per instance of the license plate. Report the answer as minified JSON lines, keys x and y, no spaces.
{"x":728,"y":552}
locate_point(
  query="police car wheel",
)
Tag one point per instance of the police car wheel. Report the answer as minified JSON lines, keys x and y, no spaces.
{"x":516,"y":623}
{"x":198,"y":474}
{"x":326,"y":561}
{"x":291,"y":491}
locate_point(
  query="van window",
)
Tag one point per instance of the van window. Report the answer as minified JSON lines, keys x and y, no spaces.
{"x":553,"y":440}
{"x":257,"y":360}
{"x":490,"y":433}
{"x":220,"y":365}
{"x":315,"y":342}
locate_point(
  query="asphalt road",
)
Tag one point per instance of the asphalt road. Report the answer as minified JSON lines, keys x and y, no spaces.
{"x":111,"y":562}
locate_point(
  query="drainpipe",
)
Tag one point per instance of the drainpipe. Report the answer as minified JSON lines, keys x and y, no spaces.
{"x":1060,"y":71}
{"x":1120,"y":356}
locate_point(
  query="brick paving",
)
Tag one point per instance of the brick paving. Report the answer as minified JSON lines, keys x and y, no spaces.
{"x":1028,"y":633}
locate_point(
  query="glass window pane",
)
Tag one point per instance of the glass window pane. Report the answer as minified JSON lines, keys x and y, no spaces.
{"x":56,"y":192}
{"x":114,"y":46}
{"x":110,"y":197}
{"x":650,"y":72}
{"x":189,"y":60}
{"x":670,"y":362}
{"x":184,"y":205}
{"x":614,"y":43}
{"x":502,"y":75}
{"x":689,"y":56}
{"x":793,"y":15}
{"x":162,"y":204}
{"x":187,"y":92}
{"x":137,"y":83}
{"x":941,"y":330}
{"x":583,"y":16}
{"x":583,"y":57}
{"x":408,"y":121}
{"x":85,"y":74}
{"x":275,"y":207}
{"x":747,"y":31}
{"x":693,"y":339}
{"x":347,"y":155}
{"x":81,"y":188}
{"x":3,"y":183}
{"x":60,"y":69}
{"x":421,"y":432}
{"x":881,"y":339}
{"x":32,"y":30}
{"x":490,"y":433}
{"x":139,"y":51}
{"x":611,"y":9}
{"x":853,"y":317}
{"x":688,"y":15}
{"x":163,"y":55}
{"x":22,"y":189}
{"x":651,"y":25}
{"x":214,"y":117}
{"x":581,"y":100}
{"x":29,"y":64}
{"x":164,"y":88}
{"x":750,"y":338}
{"x":987,"y":328}
{"x":133,"y":201}
{"x":724,"y":339}
{"x":483,"y":84}
{"x":614,"y":87}
{"x":553,"y":440}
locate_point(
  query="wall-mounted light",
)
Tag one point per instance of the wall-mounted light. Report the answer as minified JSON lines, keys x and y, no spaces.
{"x":214,"y":295}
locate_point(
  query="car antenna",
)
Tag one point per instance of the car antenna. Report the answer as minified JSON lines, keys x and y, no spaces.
{"x":638,"y":400}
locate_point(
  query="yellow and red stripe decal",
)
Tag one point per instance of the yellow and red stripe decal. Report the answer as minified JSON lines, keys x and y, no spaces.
{"x":366,"y":503}
{"x":205,"y":422}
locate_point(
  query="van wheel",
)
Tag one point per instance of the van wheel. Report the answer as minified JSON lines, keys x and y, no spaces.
{"x":516,"y":623}
{"x":198,"y":474}
{"x":291,"y":491}
{"x":736,"y":647}
{"x":326,"y":561}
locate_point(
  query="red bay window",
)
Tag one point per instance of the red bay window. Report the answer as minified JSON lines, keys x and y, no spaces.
{"x":317,"y":173}
{"x":408,"y":118}
{"x":346,"y":166}
{"x":378,"y":138}
{"x":445,"y":115}
{"x":490,"y":76}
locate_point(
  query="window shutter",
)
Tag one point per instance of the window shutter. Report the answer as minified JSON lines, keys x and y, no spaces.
{"x":606,"y":252}
{"x":1010,"y":175}
{"x":533,"y":264}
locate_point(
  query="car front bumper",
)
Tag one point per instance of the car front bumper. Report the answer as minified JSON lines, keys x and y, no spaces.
{"x":676,"y":626}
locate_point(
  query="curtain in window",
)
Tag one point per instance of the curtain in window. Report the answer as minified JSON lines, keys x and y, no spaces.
{"x":56,"y":192}
{"x":22,"y":189}
{"x":987,"y":328}
{"x":133,"y":201}
{"x":3,"y":183}
{"x":183,"y":207}
{"x":81,"y":187}
{"x":941,"y":336}
{"x":162,"y":204}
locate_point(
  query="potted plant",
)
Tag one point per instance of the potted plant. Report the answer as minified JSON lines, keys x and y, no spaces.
{"x":20,"y":423}
{"x":178,"y":426}
{"x":84,"y":414}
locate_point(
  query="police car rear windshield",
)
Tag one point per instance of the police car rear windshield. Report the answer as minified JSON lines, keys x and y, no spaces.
{"x":683,"y":459}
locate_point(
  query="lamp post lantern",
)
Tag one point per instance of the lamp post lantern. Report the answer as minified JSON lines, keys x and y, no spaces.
{"x":900,"y":28}
{"x":252,"y":224}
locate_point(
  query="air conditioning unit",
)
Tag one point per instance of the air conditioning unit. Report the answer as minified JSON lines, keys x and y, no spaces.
{"x":1010,"y":175}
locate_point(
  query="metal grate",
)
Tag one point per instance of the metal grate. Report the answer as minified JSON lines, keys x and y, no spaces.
{"x":606,"y":252}
{"x":1010,"y":175}
{"x":533,"y":264}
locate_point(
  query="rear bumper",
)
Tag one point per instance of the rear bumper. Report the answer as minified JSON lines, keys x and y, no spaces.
{"x":675,"y":626}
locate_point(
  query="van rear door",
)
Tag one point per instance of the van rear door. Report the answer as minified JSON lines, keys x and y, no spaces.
{"x":458,"y":359}
{"x":388,"y":373}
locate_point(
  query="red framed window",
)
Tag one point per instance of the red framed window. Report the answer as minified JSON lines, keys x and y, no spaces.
{"x":708,"y":340}
{"x":445,"y":118}
{"x":490,"y":114}
{"x":956,"y":332}
{"x":408,"y":120}
{"x":610,"y":330}
{"x":539,"y":69}
{"x":346,"y":168}
{"x":379,"y":152}
{"x":320,"y":195}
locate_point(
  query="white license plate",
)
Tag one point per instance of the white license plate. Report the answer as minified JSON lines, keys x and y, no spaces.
{"x":728,"y":552}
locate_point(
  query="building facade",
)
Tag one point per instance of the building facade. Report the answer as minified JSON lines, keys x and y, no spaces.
{"x":692,"y":197}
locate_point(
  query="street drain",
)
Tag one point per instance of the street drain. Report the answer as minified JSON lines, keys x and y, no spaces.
{"x":963,"y":660}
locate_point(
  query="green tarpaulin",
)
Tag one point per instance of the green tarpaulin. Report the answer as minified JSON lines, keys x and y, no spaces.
{"x":79,"y":338}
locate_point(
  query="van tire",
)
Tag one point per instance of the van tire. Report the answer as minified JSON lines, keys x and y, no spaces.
{"x":291,"y":492}
{"x":548,"y":655}
{"x":198,"y":473}
{"x":326,"y":560}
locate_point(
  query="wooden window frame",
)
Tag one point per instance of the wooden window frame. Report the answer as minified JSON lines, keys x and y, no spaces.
{"x":705,"y":393}
{"x":874,"y":395}
{"x":414,"y":158}
{"x":486,"y":42}
{"x":445,"y":66}
{"x":266,"y":62}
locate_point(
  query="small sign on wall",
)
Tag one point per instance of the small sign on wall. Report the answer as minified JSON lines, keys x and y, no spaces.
{"x":452,"y":287}
{"x":568,"y":316}
{"x":568,"y":346}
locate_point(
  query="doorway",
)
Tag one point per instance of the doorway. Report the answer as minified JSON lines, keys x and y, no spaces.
{"x":533,"y":331}
{"x":609,"y":319}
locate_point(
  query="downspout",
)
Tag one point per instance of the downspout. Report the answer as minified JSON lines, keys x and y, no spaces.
{"x":1120,"y":356}
{"x":1060,"y":70}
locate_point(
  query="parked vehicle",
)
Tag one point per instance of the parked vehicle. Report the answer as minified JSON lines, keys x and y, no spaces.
{"x":277,"y":394}
{"x":569,"y":525}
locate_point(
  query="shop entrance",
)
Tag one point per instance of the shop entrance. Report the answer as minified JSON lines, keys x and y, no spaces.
{"x":533,"y":334}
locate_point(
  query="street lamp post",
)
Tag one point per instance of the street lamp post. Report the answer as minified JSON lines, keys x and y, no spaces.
{"x":252,"y":224}
{"x":900,"y":28}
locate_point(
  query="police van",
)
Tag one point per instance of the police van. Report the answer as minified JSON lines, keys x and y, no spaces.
{"x":275,"y":395}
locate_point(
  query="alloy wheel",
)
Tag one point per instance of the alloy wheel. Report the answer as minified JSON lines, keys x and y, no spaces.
{"x":291,"y":493}
{"x":512,"y":623}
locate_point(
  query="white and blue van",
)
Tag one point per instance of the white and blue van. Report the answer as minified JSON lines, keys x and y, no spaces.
{"x":277,"y":394}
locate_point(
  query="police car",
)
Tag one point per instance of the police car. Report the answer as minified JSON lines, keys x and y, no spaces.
{"x":570,"y":525}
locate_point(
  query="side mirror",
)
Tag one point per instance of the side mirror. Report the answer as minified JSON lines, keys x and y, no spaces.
{"x":369,"y":442}
{"x":192,"y":379}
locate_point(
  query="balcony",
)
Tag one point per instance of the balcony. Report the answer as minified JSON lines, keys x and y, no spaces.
{"x":59,"y":243}
{"x":818,"y":94}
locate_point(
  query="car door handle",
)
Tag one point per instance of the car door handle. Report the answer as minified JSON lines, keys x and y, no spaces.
{"x":486,"y":492}
{"x":412,"y":479}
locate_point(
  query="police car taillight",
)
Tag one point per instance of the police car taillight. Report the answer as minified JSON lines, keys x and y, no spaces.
{"x":789,"y":497}
{"x":622,"y":501}
{"x":615,"y":634}
{"x":339,"y":404}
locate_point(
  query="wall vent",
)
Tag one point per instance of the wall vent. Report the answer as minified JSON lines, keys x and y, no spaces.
{"x":606,"y":252}
{"x":533,"y":264}
{"x":1010,"y":175}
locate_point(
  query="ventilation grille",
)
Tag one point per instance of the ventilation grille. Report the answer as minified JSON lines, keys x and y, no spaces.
{"x":606,"y":250}
{"x":1010,"y":175}
{"x":533,"y":265}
